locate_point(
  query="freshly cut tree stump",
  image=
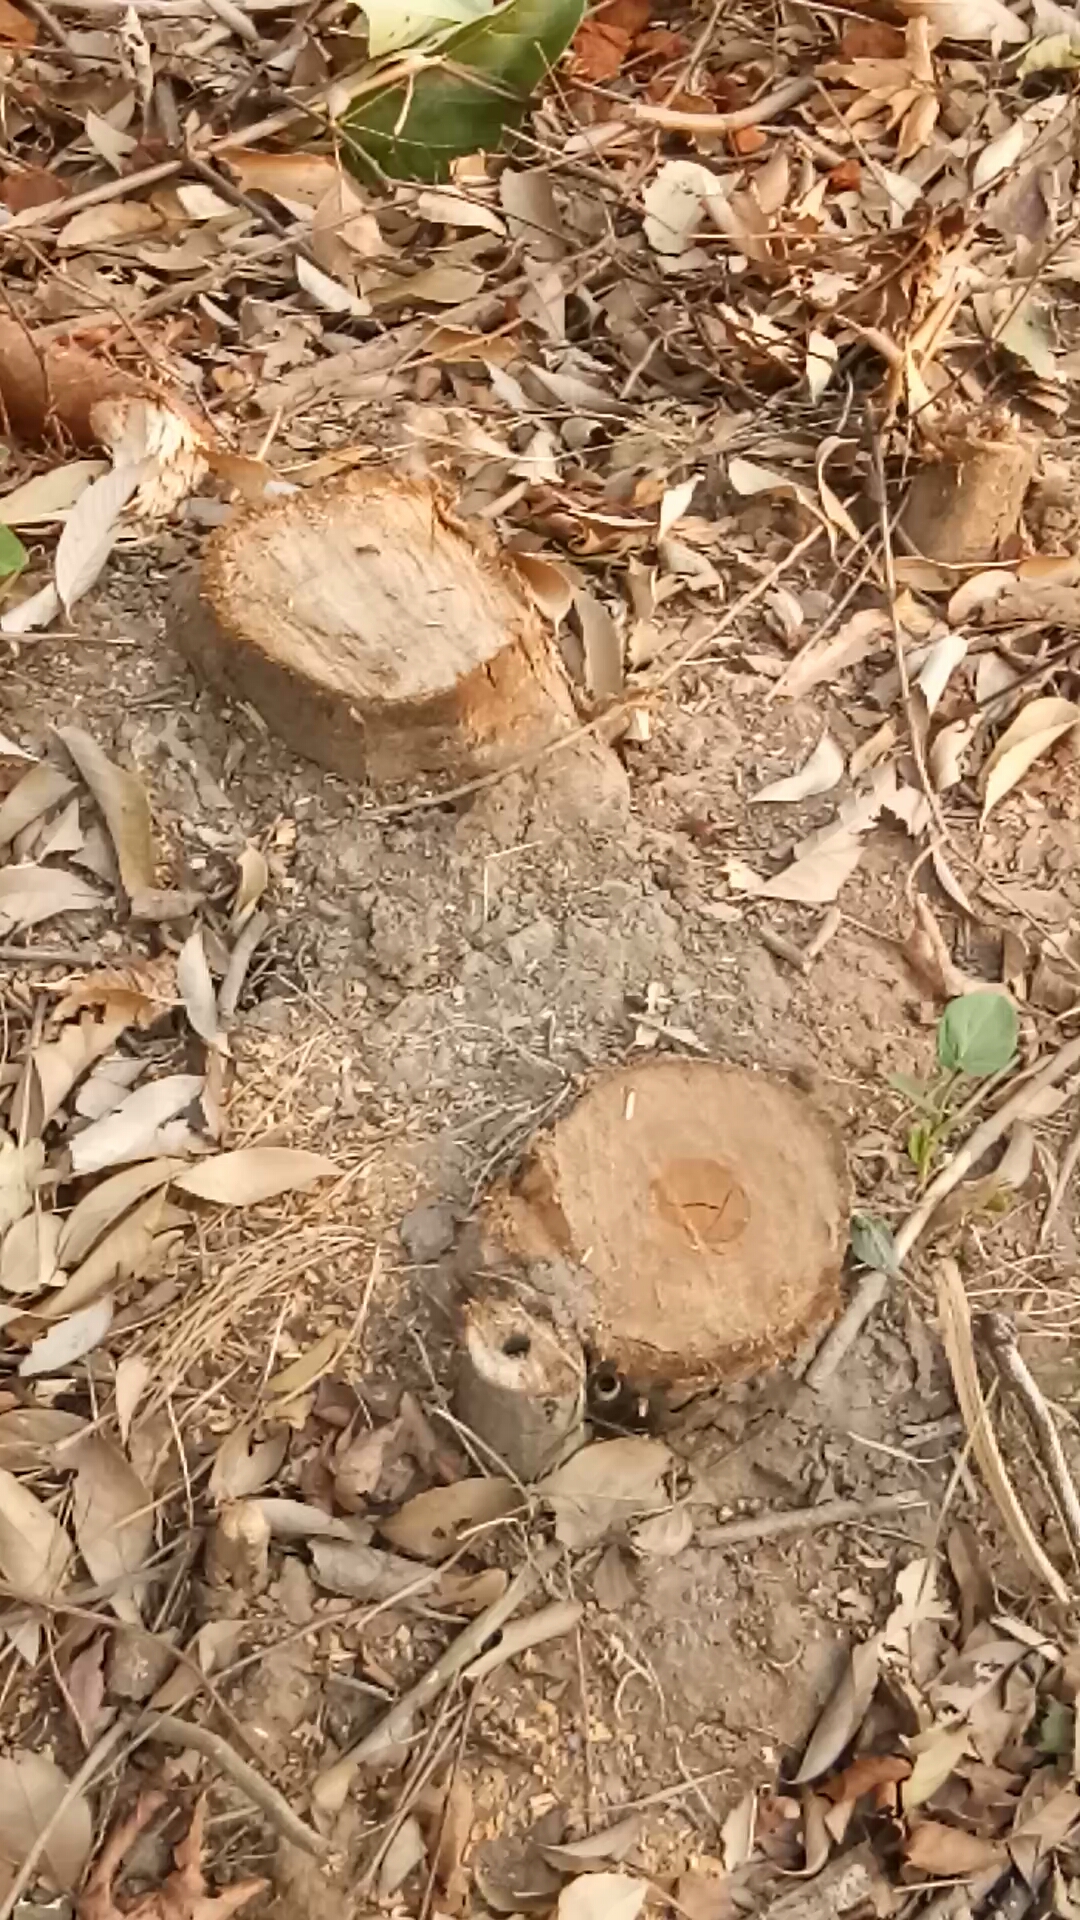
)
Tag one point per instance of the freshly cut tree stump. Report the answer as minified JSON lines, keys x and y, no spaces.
{"x":376,"y":635}
{"x":520,"y":1385}
{"x":702,"y":1211}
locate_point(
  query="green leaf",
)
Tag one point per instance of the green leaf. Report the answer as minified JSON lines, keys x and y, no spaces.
{"x":977,"y":1034}
{"x":477,"y":85}
{"x":13,"y":555}
{"x":872,"y":1243}
{"x":1058,"y":53}
{"x":399,"y":23}
{"x":1056,"y":1729}
{"x":917,"y":1091}
{"x":921,"y":1145}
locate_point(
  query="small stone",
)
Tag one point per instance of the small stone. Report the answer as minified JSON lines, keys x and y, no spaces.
{"x":428,"y":1231}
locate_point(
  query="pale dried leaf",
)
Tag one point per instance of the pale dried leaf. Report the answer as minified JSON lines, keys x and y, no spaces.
{"x":674,"y":502}
{"x":127,"y":1252}
{"x":41,"y":789}
{"x":819,"y":774}
{"x":28,"y":1254}
{"x":28,"y":1435}
{"x":606,"y":1486}
{"x":406,"y":1850}
{"x":603,"y":647}
{"x":241,"y":1469}
{"x":32,"y":1790}
{"x":69,"y":1340}
{"x":431,"y":1525}
{"x":104,"y":1088}
{"x":65,"y":835}
{"x":196,"y":989}
{"x":737,"y":1832}
{"x":532,"y":212}
{"x":48,"y":494}
{"x":250,"y":1174}
{"x":253,"y":882}
{"x":122,"y":800}
{"x":863,"y":634}
{"x":665,"y":1534}
{"x":999,"y":156}
{"x":310,"y":1367}
{"x":950,"y":1851}
{"x":611,"y":1844}
{"x":113,"y":1521}
{"x":1037,"y":728}
{"x":91,"y":527}
{"x":549,"y":586}
{"x":970,"y":19}
{"x":821,"y":353}
{"x":55,"y":1066}
{"x":103,"y":226}
{"x":131,"y":1132}
{"x":36,"y":611}
{"x":19,"y":1168}
{"x":935,"y":1762}
{"x":328,"y":293}
{"x":940,"y":663}
{"x":30,"y":894}
{"x":35,"y":1552}
{"x":675,"y":201}
{"x":133,"y":1376}
{"x":602,"y":1896}
{"x":815,"y":878}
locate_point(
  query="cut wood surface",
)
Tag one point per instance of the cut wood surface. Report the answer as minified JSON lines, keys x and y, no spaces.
{"x":375,"y":634}
{"x":703,"y":1209}
{"x":966,"y":508}
{"x":520,"y":1386}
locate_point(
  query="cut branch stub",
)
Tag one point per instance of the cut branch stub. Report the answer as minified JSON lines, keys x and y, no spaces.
{"x":520,"y":1385}
{"x":375,"y":634}
{"x":703,"y":1211}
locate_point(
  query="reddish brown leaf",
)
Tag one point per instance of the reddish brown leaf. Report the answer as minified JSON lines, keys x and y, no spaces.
{"x":936,"y":1848}
{"x":871,"y":1770}
{"x":627,"y":16}
{"x":599,"y":51}
{"x":15,"y":25}
{"x":33,"y":187}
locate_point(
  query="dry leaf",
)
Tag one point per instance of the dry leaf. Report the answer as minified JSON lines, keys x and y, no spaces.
{"x":865,"y":633}
{"x":251,"y":1174}
{"x":196,"y":989}
{"x":98,"y":1209}
{"x":19,"y":1168}
{"x":934,"y":1763}
{"x":665,"y":1534}
{"x":737,"y":1832}
{"x":35,"y":1552}
{"x":606,"y":1486}
{"x":603,"y":647}
{"x":28,"y":1254}
{"x":330,"y":294}
{"x":406,"y":1850}
{"x":532,"y":212}
{"x":602,"y":1896}
{"x":844,"y":1713}
{"x":310,"y":1367}
{"x":102,"y":226}
{"x":940,"y":663}
{"x":936,"y":1848}
{"x":32,"y":1790}
{"x":969,"y":19}
{"x":675,"y":201}
{"x":91,"y":527}
{"x":69,"y":1340}
{"x":28,"y":1435}
{"x":999,"y":156}
{"x":674,"y":502}
{"x":548,"y":585}
{"x":126,"y":1253}
{"x":597,"y":1849}
{"x":814,"y":878}
{"x":433,"y":1524}
{"x":113,"y":1521}
{"x":52,"y":1068}
{"x":122,"y":800}
{"x":253,"y":882}
{"x":133,"y":1376}
{"x":26,"y":616}
{"x":240,"y":1469}
{"x":131,"y":1133}
{"x":1034,"y":731}
{"x":212,"y":1647}
{"x":40,"y":789}
{"x":819,"y":774}
{"x":30,"y":894}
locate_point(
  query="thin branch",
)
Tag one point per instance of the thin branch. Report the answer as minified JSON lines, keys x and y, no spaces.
{"x":769,"y":107}
{"x":999,"y":1336}
{"x":183,"y":1733}
{"x":830,"y":1513}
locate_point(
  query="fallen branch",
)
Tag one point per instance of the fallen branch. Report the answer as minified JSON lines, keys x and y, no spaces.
{"x":999,"y":1335}
{"x":672,"y":120}
{"x":956,"y":1336}
{"x":332,"y":1786}
{"x":183,"y":1733}
{"x":548,"y":1623}
{"x":830,"y":1513}
{"x":866,"y":1297}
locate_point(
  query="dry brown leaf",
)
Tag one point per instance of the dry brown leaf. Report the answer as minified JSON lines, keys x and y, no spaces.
{"x":844,"y":1713}
{"x":35,"y":1552}
{"x":940,"y":1751}
{"x":454,"y":1829}
{"x":664,"y":1535}
{"x":32,"y":1790}
{"x":41,"y":789}
{"x":126,"y":1252}
{"x":865,"y":633}
{"x":597,"y":1849}
{"x":532,"y":211}
{"x":432,"y":1525}
{"x":52,"y":1068}
{"x":250,"y":1174}
{"x":15,"y":26}
{"x":28,"y":1254}
{"x":19,"y":1168}
{"x":215,"y":1644}
{"x":814,"y":878}
{"x":1037,"y":727}
{"x":90,"y":530}
{"x":603,"y":647}
{"x":133,"y":1375}
{"x":28,"y":1435}
{"x":548,"y":585}
{"x":103,"y":226}
{"x":30,"y":894}
{"x":310,"y":1367}
{"x":241,"y":1469}
{"x":49,"y":494}
{"x":252,"y":884}
{"x":122,"y":800}
{"x":102,"y":1206}
{"x":196,"y":989}
{"x":143,"y":990}
{"x":113,"y":1521}
{"x":304,"y":177}
{"x":675,"y":203}
{"x":949,"y":1851}
{"x":606,"y":1486}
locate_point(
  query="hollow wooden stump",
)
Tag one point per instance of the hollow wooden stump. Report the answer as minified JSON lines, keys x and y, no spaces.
{"x":376,"y":635}
{"x":702,"y":1211}
{"x":520,"y":1385}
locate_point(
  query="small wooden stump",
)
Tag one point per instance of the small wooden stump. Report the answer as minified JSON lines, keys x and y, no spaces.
{"x":520,"y":1385}
{"x":965,"y":506}
{"x":375,"y":635}
{"x":703,"y":1211}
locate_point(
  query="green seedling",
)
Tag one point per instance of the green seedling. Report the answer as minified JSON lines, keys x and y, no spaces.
{"x":976,"y":1037}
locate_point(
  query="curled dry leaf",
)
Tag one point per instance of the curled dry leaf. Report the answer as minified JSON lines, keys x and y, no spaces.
{"x":605,"y":1486}
{"x":597,"y":1849}
{"x":1034,"y":731}
{"x":675,"y":202}
{"x":132,"y":1131}
{"x":310,"y":1367}
{"x":664,"y":1535}
{"x":433,"y":1524}
{"x":603,"y":647}
{"x":252,"y":884}
{"x":49,"y":494}
{"x":91,"y":528}
{"x":97,"y":1211}
{"x":196,"y":989}
{"x":251,"y":1174}
{"x":844,"y":1713}
{"x":815,"y":877}
{"x":240,"y":1469}
{"x":28,"y":1435}
{"x":132,"y":1379}
{"x":999,"y":156}
{"x":864,"y":634}
{"x":819,"y":774}
{"x":547,"y":584}
{"x":126,"y":1252}
{"x":32,"y":1790}
{"x":940,"y":663}
{"x":53,"y":1067}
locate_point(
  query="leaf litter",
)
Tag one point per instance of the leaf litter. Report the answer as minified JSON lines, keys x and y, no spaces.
{"x":796,"y":262}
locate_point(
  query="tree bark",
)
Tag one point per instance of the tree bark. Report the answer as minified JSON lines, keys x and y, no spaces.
{"x":520,"y":1385}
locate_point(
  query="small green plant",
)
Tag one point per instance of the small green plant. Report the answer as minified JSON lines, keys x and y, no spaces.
{"x":13,"y":558}
{"x":976,"y":1037}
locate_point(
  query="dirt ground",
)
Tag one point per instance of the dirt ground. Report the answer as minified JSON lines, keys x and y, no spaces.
{"x":434,"y":988}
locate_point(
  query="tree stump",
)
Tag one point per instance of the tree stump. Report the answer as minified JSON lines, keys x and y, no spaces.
{"x":520,"y":1385}
{"x":375,"y":634}
{"x":701,"y":1211}
{"x":965,"y":506}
